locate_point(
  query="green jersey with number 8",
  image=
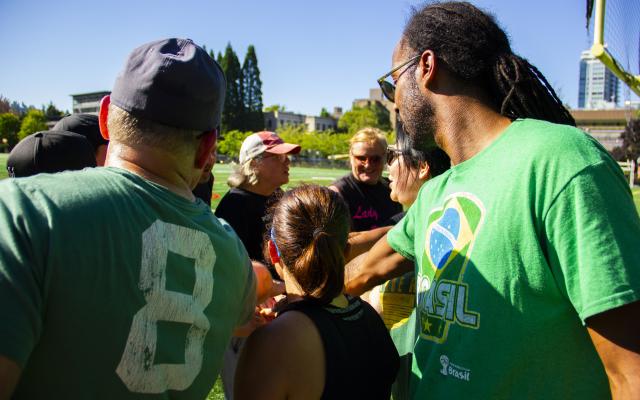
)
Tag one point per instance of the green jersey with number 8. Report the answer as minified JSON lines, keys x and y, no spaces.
{"x":114,"y":287}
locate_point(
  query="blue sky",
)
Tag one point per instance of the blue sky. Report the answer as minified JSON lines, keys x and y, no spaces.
{"x":311,"y":54}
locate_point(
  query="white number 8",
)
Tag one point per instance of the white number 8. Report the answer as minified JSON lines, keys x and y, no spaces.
{"x":136,"y":368}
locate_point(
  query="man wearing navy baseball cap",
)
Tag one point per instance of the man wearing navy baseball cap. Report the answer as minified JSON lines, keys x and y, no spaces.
{"x":115,"y":282}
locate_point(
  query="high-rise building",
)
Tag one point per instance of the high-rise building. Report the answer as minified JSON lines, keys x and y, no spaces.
{"x":598,"y":85}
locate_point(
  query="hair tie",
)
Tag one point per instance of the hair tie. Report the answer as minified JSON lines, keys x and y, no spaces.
{"x":272,"y":236}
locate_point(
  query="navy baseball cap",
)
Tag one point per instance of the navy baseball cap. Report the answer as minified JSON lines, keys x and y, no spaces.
{"x":50,"y":151}
{"x":173,"y":82}
{"x":82,"y":124}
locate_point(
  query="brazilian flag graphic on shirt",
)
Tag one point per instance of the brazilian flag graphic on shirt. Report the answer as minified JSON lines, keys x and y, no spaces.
{"x":442,"y":293}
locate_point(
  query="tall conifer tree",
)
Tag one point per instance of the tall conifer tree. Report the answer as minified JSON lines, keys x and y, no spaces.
{"x":252,"y":91}
{"x":233,"y":113}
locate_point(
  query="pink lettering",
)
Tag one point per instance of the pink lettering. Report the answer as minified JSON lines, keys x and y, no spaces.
{"x":365,"y":214}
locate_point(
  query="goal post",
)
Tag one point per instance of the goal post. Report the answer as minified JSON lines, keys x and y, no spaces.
{"x":600,"y":51}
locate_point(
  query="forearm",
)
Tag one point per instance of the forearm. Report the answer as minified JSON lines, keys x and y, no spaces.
{"x":361,"y":242}
{"x":615,"y":336}
{"x":380,"y":264}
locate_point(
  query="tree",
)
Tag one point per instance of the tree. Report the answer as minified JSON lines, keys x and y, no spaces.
{"x":324,"y":113}
{"x":19,"y":108}
{"x":276,"y":107}
{"x":231,"y":142}
{"x":631,"y":140}
{"x":233,"y":113}
{"x":5,"y":106}
{"x":52,"y":113}
{"x":252,"y":92}
{"x":9,"y":127}
{"x":360,"y":117}
{"x":33,"y":122}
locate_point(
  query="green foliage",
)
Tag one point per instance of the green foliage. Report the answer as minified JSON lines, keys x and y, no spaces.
{"x":33,"y":122}
{"x":360,"y":117}
{"x":5,"y":106}
{"x":51,"y":112}
{"x":276,"y":107}
{"x":233,"y":112}
{"x":9,"y":127}
{"x":231,"y":142}
{"x":243,"y":102}
{"x":252,"y":91}
{"x":324,"y":113}
{"x":316,"y":144}
{"x":631,"y":139}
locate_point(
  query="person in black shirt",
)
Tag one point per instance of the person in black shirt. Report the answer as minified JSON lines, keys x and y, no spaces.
{"x":323,"y":344}
{"x":263,"y":169}
{"x":204,"y":188}
{"x":364,"y":189}
{"x":256,"y":182}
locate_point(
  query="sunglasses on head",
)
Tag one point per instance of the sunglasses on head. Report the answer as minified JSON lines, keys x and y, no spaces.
{"x":389,"y":88}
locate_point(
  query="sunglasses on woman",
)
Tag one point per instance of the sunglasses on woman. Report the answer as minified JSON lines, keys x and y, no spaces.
{"x":392,"y":155}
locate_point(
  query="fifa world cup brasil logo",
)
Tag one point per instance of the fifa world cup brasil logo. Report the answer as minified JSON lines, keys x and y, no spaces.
{"x":443,"y":296}
{"x":444,"y":360}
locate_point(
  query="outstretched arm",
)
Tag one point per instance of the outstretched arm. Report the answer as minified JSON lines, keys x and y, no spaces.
{"x":380,"y":264}
{"x":616,"y":337}
{"x":361,"y":242}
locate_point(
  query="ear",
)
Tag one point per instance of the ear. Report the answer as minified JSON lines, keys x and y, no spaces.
{"x":424,"y":171}
{"x":102,"y":117}
{"x":205,"y":147}
{"x":427,"y":68}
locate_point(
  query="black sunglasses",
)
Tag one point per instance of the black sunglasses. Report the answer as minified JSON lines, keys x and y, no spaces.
{"x":388,"y":88}
{"x":392,"y":155}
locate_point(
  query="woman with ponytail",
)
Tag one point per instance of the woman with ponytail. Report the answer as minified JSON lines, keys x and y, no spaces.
{"x":323,"y":344}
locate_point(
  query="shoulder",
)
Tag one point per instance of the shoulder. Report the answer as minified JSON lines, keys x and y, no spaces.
{"x":342,"y":182}
{"x":546,"y":139}
{"x":288,"y":342}
{"x":231,"y":201}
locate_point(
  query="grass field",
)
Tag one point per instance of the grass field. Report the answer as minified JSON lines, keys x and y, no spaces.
{"x":297,"y":175}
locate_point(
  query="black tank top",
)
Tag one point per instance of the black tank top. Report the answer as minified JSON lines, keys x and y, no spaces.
{"x":370,"y":205}
{"x":361,"y":360}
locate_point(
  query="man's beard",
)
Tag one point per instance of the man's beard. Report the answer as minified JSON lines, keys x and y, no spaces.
{"x":419,"y":120}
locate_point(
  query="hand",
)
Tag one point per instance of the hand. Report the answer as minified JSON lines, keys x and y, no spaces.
{"x":254,"y":323}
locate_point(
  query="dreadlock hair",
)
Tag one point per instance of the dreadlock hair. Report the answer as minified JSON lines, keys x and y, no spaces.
{"x":476,"y":50}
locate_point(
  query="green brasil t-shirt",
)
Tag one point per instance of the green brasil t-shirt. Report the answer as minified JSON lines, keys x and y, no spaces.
{"x":114,"y":287}
{"x":514,"y":249}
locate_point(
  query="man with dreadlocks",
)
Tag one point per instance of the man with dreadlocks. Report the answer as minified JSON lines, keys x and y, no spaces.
{"x":526,"y":250}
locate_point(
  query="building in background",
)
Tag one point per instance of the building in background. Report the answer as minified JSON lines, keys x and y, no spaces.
{"x":605,"y":126}
{"x":87,"y":103}
{"x":599,"y":87}
{"x":376,"y":96}
{"x":280,"y":119}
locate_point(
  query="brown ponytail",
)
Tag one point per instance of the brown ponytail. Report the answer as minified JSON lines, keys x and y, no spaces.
{"x":311,"y":226}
